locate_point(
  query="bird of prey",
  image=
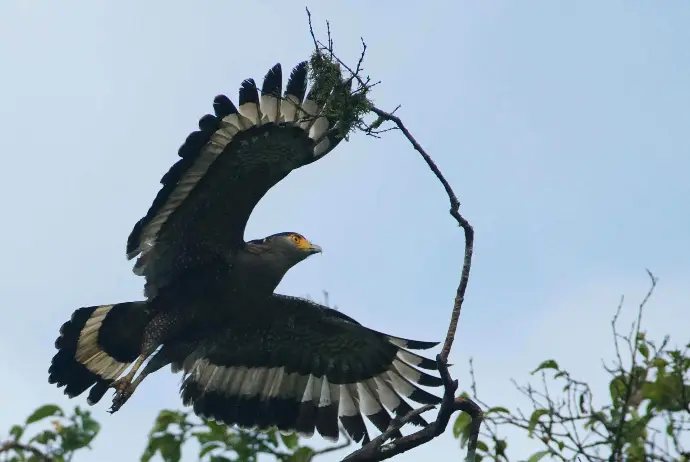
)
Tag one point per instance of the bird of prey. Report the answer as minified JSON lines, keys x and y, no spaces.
{"x":249,"y":356}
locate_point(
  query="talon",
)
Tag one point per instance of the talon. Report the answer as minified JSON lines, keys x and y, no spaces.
{"x":124,"y":389}
{"x":118,"y":400}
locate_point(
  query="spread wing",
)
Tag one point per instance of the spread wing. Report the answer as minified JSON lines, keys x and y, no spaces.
{"x":302,"y":367}
{"x":226,"y":167}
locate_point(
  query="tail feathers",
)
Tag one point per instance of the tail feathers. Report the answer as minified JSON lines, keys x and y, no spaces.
{"x":96,"y":346}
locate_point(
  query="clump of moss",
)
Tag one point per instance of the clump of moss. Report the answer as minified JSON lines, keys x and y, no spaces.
{"x":345,"y":104}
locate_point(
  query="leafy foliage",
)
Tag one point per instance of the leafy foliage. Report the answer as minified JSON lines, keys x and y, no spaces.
{"x":57,"y":439}
{"x":219,"y":443}
{"x":62,"y":436}
{"x":645,"y":414}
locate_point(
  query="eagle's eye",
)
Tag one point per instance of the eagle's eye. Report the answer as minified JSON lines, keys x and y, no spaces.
{"x":296,"y":239}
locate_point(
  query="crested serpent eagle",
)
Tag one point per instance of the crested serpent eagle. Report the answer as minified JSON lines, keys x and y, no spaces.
{"x":249,"y":356}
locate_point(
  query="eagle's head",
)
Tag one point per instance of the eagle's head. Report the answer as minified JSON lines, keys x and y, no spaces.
{"x":270,"y":258}
{"x":292,"y":247}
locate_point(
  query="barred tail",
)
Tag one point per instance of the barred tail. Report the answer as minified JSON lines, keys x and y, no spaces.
{"x":96,"y":346}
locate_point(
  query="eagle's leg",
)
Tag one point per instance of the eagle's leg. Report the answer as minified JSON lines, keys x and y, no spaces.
{"x":121,"y":384}
{"x":156,"y":332}
{"x":124,"y":382}
{"x":125,"y":386}
{"x":126,"y":389}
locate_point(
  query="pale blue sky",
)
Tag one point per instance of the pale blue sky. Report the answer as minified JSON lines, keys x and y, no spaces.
{"x":564,"y":129}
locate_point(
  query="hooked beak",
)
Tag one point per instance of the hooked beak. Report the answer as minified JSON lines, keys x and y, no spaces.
{"x":314,"y":249}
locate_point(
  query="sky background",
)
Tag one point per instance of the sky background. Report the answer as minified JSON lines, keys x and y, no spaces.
{"x":564,"y":129}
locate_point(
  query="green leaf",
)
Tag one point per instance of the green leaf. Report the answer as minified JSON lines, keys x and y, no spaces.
{"x":272,"y":437}
{"x":303,"y":454}
{"x":170,"y":448}
{"x":90,"y":428}
{"x":482,"y":446}
{"x":290,"y":441}
{"x":636,"y":427}
{"x":548,"y":364}
{"x":73,"y":438}
{"x":208,"y":448}
{"x":497,"y":409}
{"x":534,"y":418}
{"x":666,"y":393}
{"x":670,"y":428}
{"x":219,"y":459}
{"x":42,"y":412}
{"x":44,"y":437}
{"x":659,"y":363}
{"x":152,"y":448}
{"x":537,"y":456}
{"x":461,"y":424}
{"x":644,"y":350}
{"x":16,"y":432}
{"x":617,"y":388}
{"x":218,"y":432}
{"x":166,"y":418}
{"x":501,"y":446}
{"x":149,"y":452}
{"x":636,"y":450}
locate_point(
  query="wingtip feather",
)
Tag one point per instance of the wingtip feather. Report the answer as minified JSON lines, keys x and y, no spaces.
{"x":249,"y":102}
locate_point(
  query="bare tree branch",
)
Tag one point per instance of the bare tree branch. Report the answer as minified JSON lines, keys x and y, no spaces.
{"x":377,"y":449}
{"x":454,"y":202}
{"x":455,"y":213}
